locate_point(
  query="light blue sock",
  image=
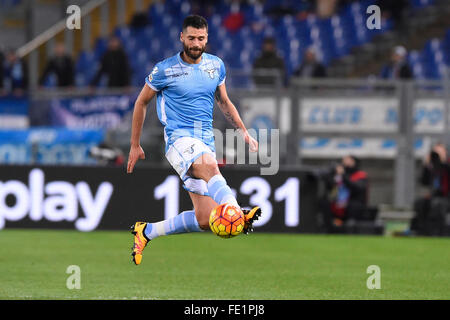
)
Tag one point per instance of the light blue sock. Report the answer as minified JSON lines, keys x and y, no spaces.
{"x":220,"y":191}
{"x":182,"y":223}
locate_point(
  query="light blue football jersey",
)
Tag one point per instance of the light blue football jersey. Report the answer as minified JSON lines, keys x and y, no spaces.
{"x":185,"y":97}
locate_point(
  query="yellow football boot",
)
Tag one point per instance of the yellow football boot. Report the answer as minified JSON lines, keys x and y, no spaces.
{"x":250,"y":216}
{"x":140,"y":241}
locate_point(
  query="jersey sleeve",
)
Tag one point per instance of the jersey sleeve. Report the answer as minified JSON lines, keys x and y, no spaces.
{"x":222,"y":72}
{"x":157,"y":79}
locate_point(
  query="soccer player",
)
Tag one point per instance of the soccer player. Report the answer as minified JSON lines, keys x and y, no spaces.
{"x":185,"y":86}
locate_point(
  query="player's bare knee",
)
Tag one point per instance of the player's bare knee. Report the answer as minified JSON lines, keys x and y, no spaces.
{"x":205,"y":170}
{"x":211,"y":169}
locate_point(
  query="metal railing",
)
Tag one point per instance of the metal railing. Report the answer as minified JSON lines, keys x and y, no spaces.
{"x":397,"y":111}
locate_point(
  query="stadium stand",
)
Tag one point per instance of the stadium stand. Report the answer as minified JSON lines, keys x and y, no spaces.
{"x":333,"y":37}
{"x":9,"y":3}
{"x":432,"y":60}
{"x":296,"y":28}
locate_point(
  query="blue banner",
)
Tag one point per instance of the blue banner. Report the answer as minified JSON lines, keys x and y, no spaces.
{"x":48,"y":146}
{"x":15,"y":106}
{"x":14,"y":112}
{"x":91,"y":112}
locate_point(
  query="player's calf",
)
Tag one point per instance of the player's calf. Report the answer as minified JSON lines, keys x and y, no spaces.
{"x":203,"y":205}
{"x":203,"y":220}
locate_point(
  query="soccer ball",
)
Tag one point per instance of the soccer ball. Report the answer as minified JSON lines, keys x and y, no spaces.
{"x":226,"y":221}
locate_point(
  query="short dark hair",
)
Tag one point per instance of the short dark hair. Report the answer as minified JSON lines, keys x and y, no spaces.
{"x":269,"y":40}
{"x":195,"y":21}
{"x":356,"y":159}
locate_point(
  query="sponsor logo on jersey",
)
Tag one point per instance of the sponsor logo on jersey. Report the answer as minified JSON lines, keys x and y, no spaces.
{"x":178,"y":75}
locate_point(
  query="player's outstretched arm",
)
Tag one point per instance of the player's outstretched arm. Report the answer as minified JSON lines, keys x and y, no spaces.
{"x":140,"y":109}
{"x":232,"y":115}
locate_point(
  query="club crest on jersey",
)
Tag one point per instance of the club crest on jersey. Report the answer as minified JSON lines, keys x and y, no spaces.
{"x":211,"y":72}
{"x":190,"y":150}
{"x":150,"y":77}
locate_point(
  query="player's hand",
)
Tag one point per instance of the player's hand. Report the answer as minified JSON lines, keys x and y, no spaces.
{"x":253,"y":144}
{"x":136,"y":153}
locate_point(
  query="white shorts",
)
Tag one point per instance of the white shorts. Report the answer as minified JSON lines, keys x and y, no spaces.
{"x":181,"y":154}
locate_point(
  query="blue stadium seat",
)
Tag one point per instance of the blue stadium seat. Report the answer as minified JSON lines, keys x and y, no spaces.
{"x":421,"y":3}
{"x":9,"y":3}
{"x":100,"y":47}
{"x":122,"y":32}
{"x":85,"y":68}
{"x":334,"y":37}
{"x":434,"y":58}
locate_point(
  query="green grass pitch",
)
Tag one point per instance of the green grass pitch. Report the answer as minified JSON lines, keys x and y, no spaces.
{"x":33,"y":265}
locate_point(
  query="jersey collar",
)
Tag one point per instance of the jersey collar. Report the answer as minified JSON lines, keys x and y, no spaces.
{"x":189,"y":64}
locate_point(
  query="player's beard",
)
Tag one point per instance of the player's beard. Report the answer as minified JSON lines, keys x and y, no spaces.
{"x":192,"y":53}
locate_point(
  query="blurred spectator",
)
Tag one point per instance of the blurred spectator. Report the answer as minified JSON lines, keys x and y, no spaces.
{"x":394,"y":9}
{"x":325,"y":8}
{"x":282,"y":9}
{"x":310,"y":67}
{"x":346,"y":194}
{"x":235,"y":20}
{"x":398,"y":68}
{"x":430,"y":210}
{"x":61,"y":65}
{"x":344,"y":3}
{"x":139,"y":20}
{"x":267,"y":64}
{"x":204,"y":8}
{"x":15,"y":74}
{"x":2,"y":62}
{"x":114,"y":64}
